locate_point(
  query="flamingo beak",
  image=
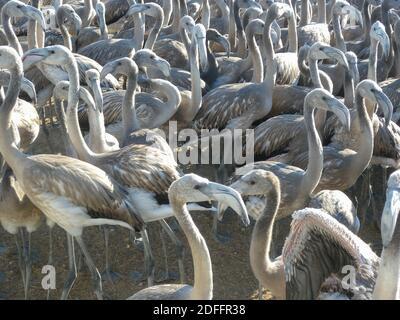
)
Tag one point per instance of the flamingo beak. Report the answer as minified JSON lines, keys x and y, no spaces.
{"x":386,"y":105}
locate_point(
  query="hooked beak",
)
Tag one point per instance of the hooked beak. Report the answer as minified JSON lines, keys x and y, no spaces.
{"x":225,"y":44}
{"x":226,"y":197}
{"x":387,"y":107}
{"x":85,"y":95}
{"x":107,"y":69}
{"x":337,"y":55}
{"x":136,"y":8}
{"x":389,"y":215}
{"x":34,"y":56}
{"x":77,"y":24}
{"x":384,"y":41}
{"x":341,"y":111}
{"x":29,"y":88}
{"x":36,"y":15}
{"x":164,"y":66}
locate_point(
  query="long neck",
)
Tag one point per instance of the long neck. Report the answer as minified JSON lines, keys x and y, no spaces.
{"x":66,"y":37}
{"x":195,"y":77}
{"x":129,"y":119}
{"x":366,"y":18}
{"x":241,"y":47}
{"x":173,"y":99}
{"x":340,"y":44}
{"x":103,"y":26}
{"x":315,"y":165}
{"x":366,"y":136}
{"x":305,"y":16}
{"x":167,"y":7}
{"x":151,"y":40}
{"x":97,"y":132}
{"x":387,"y":285}
{"x":74,"y":131}
{"x":292,"y":33}
{"x":261,"y":263}
{"x":203,"y":275}
{"x":232,"y":25}
{"x":256,"y":58}
{"x":86,"y":19}
{"x":8,"y":149}
{"x":373,"y":60}
{"x":320,"y":115}
{"x":270,"y":74}
{"x":348,"y":90}
{"x":176,"y":16}
{"x":206,"y":14}
{"x":223,"y":7}
{"x":9,"y":31}
{"x":139,"y":30}
{"x":321,"y":11}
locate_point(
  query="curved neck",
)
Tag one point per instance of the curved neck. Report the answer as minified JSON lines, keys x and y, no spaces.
{"x":337,"y":29}
{"x":9,"y":31}
{"x":292,"y":33}
{"x":8,"y":149}
{"x":151,"y":40}
{"x":203,"y":275}
{"x":176,"y":16}
{"x":321,"y":11}
{"x":138,"y":30}
{"x":270,"y":68}
{"x":261,"y":263}
{"x":167,"y":7}
{"x":196,"y":98}
{"x":256,"y":58}
{"x":87,"y":13}
{"x":173,"y":100}
{"x":74,"y":131}
{"x":367,"y":19}
{"x":320,"y":115}
{"x":313,"y":173}
{"x":66,"y":37}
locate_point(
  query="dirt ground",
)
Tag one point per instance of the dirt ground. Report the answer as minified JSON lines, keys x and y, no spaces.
{"x":233,"y":278}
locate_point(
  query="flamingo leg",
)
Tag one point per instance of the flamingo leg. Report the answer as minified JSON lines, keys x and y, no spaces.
{"x":178,"y":246}
{"x":20,"y":259}
{"x":72,"y":274}
{"x":108,"y":274}
{"x":96,"y":277}
{"x":28,"y":266}
{"x":148,"y":258}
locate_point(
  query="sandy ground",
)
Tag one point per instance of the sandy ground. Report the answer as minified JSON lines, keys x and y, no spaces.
{"x":233,"y":278}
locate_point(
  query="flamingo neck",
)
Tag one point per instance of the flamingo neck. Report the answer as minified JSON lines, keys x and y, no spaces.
{"x":264,"y":268}
{"x":292,"y":33}
{"x":8,"y":147}
{"x":87,"y":13}
{"x":74,"y":131}
{"x":337,"y":29}
{"x":196,"y":98}
{"x":151,"y":40}
{"x":366,"y":136}
{"x":9,"y":31}
{"x":103,"y":26}
{"x":305,"y":13}
{"x":97,"y":132}
{"x":167,"y":7}
{"x":203,"y":275}
{"x":256,"y":59}
{"x":138,"y":30}
{"x":313,"y":173}
{"x":321,"y":11}
{"x":206,"y":14}
{"x":129,"y":119}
